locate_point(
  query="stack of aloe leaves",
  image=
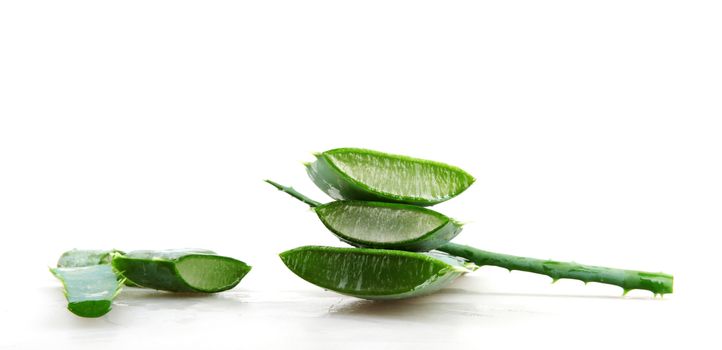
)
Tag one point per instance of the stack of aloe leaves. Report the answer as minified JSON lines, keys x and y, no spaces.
{"x":402,"y":248}
{"x":93,"y":278}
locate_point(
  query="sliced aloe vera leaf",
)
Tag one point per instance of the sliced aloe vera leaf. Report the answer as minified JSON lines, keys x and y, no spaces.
{"x":388,"y":225}
{"x":382,"y":225}
{"x":181,"y":270}
{"x":352,"y":173}
{"x":376,"y":274}
{"x":90,"y":290}
{"x":656,"y":282}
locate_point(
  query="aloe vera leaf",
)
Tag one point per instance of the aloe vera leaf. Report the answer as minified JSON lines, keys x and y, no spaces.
{"x":181,"y":270}
{"x":90,"y":290}
{"x":360,"y":174}
{"x":382,"y":225}
{"x":656,"y":282}
{"x":376,"y":274}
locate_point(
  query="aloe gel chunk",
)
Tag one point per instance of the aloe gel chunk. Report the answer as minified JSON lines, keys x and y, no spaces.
{"x":89,"y":282}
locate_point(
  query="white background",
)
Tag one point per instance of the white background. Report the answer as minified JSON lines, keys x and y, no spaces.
{"x":592,"y":129}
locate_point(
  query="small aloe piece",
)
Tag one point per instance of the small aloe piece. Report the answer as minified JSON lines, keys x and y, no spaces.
{"x":86,"y":257}
{"x":382,"y":225}
{"x":89,"y":257}
{"x":361,"y":174}
{"x":181,"y":270}
{"x":375,"y":274}
{"x":89,"y":282}
{"x":656,"y":282}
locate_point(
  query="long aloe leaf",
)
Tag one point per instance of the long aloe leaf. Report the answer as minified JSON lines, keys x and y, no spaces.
{"x":656,"y":282}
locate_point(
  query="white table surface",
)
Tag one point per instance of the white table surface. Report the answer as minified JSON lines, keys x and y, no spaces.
{"x":488,"y":308}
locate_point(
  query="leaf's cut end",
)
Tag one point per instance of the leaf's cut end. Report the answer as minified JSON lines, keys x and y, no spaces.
{"x":90,"y":308}
{"x":181,"y":270}
{"x":89,"y":289}
{"x":657,"y":283}
{"x":458,"y":223}
{"x":211,"y":273}
{"x":670,"y":289}
{"x":383,"y":225}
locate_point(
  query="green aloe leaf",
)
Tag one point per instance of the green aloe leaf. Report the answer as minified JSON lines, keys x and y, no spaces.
{"x":388,"y":225}
{"x":382,"y":225}
{"x":89,"y":282}
{"x":360,"y":174}
{"x":655,"y":282}
{"x":183,"y":270}
{"x":375,"y":274}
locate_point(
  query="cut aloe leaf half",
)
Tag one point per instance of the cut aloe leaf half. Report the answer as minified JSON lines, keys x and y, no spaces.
{"x":382,"y":225}
{"x":375,"y":274}
{"x":352,"y":173}
{"x":388,"y":225}
{"x":181,"y":270}
{"x":90,"y":290}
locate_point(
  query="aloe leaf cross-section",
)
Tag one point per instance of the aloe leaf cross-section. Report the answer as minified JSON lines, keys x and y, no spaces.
{"x":382,"y":225}
{"x":90,"y":290}
{"x":181,"y":270}
{"x":375,"y":274}
{"x":388,"y":225}
{"x":353,"y":173}
{"x":89,"y":282}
